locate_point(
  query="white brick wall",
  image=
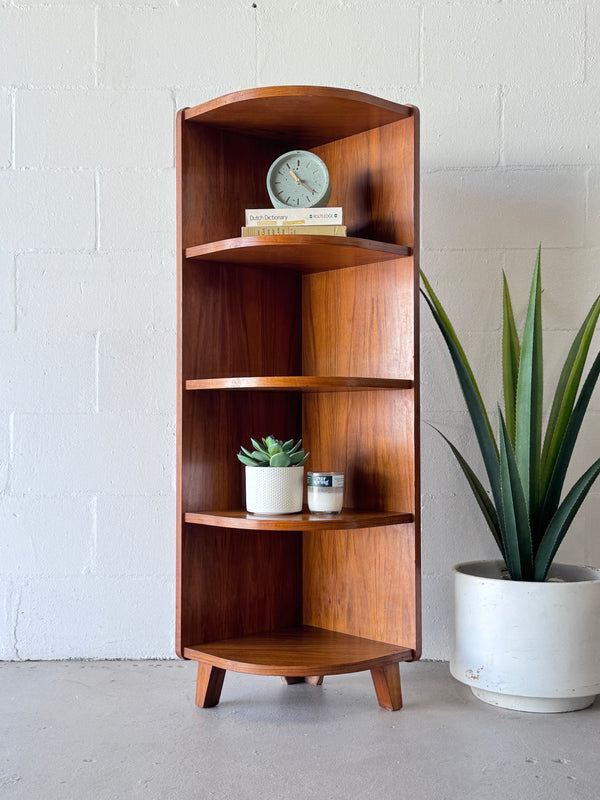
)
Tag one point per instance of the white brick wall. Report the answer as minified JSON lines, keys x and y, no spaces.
{"x":508,"y":93}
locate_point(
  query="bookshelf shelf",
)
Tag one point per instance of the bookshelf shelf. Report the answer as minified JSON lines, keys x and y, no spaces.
{"x":298,"y":652}
{"x":297,"y":252}
{"x":300,"y":383}
{"x":299,"y":336}
{"x":346,"y":520}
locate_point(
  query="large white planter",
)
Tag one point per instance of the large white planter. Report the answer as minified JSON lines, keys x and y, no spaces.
{"x":524,"y":645}
{"x":274,"y":490}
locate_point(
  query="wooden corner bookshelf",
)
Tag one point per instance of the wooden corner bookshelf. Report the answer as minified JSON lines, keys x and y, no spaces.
{"x":299,"y":336}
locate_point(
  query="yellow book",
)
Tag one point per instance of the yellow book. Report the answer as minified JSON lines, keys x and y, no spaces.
{"x":286,"y":230}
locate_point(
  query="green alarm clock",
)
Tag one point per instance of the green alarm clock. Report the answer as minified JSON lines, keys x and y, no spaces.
{"x":298,"y":179}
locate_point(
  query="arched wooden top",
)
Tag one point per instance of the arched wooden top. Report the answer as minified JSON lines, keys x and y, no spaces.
{"x":311,"y":114}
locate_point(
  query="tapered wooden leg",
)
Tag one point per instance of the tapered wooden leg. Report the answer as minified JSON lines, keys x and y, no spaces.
{"x":314,"y":680}
{"x":387,"y":686}
{"x":209,"y":685}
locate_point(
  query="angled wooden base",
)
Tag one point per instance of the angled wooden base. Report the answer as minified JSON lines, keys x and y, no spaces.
{"x":385,"y":679}
{"x":387,"y":686}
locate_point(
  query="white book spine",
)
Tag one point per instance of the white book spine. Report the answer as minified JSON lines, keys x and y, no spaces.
{"x":291,"y":216}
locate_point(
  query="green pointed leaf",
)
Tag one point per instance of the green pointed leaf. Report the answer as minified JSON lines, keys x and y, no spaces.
{"x":295,"y":447}
{"x":247,"y":452}
{"x":280,"y":459}
{"x":287,"y":445}
{"x":516,"y":527}
{"x":511,"y":354}
{"x":245,"y":460}
{"x":259,"y":456}
{"x":557,"y":479}
{"x":298,"y":458}
{"x":484,"y":502}
{"x":257,"y":446}
{"x":561,"y":521}
{"x":468,"y":384}
{"x":530,"y":398}
{"x":566,"y":391}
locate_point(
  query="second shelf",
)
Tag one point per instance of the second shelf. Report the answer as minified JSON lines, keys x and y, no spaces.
{"x":300,"y":383}
{"x":348,"y":519}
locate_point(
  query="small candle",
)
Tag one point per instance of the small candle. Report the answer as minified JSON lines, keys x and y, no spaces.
{"x":325,"y":492}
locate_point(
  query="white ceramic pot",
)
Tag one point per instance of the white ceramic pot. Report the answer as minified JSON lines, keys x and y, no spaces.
{"x":274,"y":490}
{"x":525,"y":645}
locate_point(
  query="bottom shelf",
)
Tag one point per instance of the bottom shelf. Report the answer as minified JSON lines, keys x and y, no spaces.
{"x":298,"y":652}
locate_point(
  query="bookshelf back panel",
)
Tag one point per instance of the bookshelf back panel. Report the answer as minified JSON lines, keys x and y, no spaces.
{"x":240,"y":321}
{"x":363,"y":583}
{"x":235,"y":583}
{"x":370,"y":436}
{"x":214,"y":426}
{"x":359,"y":321}
{"x":372,"y":178}
{"x":221,"y":173}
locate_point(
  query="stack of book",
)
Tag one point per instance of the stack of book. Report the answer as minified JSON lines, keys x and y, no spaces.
{"x":284,"y":221}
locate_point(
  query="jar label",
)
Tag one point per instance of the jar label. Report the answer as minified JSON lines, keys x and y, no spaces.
{"x":336,"y":481}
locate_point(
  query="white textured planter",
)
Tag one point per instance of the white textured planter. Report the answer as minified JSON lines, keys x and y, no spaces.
{"x":525,"y":645}
{"x":274,"y":490}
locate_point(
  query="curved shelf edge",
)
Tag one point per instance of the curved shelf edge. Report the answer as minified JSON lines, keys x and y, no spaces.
{"x":310,"y":115}
{"x":297,"y":652}
{"x":301,"y":383}
{"x":304,"y":253}
{"x":348,"y":519}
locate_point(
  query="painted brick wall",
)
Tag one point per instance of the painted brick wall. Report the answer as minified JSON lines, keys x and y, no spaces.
{"x":509,"y":95}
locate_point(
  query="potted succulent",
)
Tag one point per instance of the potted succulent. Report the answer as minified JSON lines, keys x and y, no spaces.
{"x":274,"y":476}
{"x":527,"y":631}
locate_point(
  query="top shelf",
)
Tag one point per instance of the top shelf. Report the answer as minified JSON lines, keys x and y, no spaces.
{"x":298,"y":252}
{"x":311,"y":115}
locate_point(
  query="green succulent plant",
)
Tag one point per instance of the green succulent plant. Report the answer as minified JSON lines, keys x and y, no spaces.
{"x":273,"y":453}
{"x":526,"y":472}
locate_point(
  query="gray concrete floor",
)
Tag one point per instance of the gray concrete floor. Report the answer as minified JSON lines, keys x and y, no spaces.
{"x":100,"y":730}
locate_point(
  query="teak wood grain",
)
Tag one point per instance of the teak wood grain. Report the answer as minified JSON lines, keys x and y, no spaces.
{"x":307,"y":115}
{"x":297,"y":252}
{"x":300,"y":383}
{"x":298,"y":652}
{"x":347,"y":519}
{"x":299,"y":336}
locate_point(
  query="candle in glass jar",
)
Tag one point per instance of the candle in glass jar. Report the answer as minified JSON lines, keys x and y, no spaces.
{"x":325,"y":492}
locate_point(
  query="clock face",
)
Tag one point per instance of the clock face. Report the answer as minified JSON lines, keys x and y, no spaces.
{"x":298,"y":179}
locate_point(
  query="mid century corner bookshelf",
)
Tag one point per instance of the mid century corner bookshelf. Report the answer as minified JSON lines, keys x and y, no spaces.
{"x":299,"y":336}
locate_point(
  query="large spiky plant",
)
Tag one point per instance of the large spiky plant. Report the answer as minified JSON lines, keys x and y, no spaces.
{"x":526,"y":512}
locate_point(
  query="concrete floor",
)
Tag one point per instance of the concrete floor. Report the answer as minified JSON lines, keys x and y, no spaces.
{"x":103,"y":730}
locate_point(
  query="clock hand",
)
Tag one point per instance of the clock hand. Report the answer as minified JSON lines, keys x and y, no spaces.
{"x":299,"y":182}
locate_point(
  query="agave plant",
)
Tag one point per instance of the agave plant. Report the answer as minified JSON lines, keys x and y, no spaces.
{"x":526,"y":472}
{"x":273,"y":453}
